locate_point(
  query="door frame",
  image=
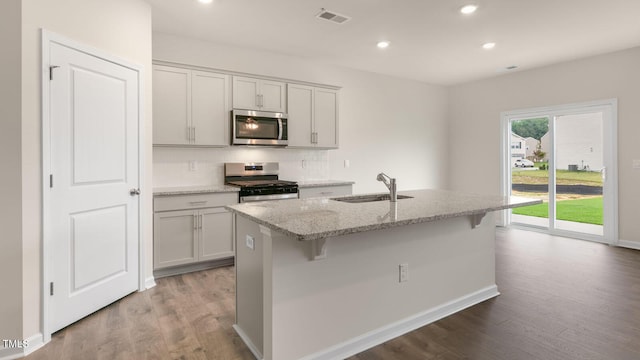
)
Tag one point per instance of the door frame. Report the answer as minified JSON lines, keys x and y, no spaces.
{"x":610,"y":135}
{"x":49,"y":38}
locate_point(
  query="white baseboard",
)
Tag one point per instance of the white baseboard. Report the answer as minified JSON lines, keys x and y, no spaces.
{"x":149,"y":282}
{"x":34,"y":342}
{"x":629,"y":244}
{"x":248,"y":342}
{"x":391,"y":331}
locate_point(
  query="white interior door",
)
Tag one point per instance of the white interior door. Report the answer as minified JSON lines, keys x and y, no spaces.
{"x":93,"y":218}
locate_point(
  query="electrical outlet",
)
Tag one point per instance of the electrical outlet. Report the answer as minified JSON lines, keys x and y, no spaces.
{"x":250,"y":242}
{"x":636,"y":164}
{"x":346,"y":163}
{"x":304,"y":164}
{"x":404,"y":272}
{"x":193,"y":165}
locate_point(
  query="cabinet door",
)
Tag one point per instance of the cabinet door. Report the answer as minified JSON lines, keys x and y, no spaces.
{"x":245,"y":93}
{"x":300,"y":104}
{"x":272,"y":96}
{"x":216,"y":234}
{"x":174,"y":239}
{"x":210,"y":108}
{"x":326,"y":117}
{"x":171,"y":108}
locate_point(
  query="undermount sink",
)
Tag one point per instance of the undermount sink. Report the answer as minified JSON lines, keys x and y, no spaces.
{"x":369,"y":198}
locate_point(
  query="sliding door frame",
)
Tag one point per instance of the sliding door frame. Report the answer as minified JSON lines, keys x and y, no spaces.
{"x":610,"y":187}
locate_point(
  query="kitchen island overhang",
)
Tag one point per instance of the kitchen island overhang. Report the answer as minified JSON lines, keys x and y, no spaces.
{"x":320,"y":279}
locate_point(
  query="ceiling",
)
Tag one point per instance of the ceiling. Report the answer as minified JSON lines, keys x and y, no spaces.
{"x":431,"y":41}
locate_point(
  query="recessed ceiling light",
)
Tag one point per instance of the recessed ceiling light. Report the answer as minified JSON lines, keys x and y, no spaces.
{"x":469,"y":9}
{"x":489,"y":45}
{"x":383,"y":44}
{"x":206,"y":1}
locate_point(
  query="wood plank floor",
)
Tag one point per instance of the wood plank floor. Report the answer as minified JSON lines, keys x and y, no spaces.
{"x":560,"y":299}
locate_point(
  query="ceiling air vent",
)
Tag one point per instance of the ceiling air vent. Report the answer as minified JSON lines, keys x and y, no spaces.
{"x":332,"y":16}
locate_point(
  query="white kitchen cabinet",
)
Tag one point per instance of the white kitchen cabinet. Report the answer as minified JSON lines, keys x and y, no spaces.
{"x":190,"y":229}
{"x":171,"y":108}
{"x":324,"y":191}
{"x":175,"y":239}
{"x":313,"y":116}
{"x":259,"y":94}
{"x":216,"y":234}
{"x":190,"y":107}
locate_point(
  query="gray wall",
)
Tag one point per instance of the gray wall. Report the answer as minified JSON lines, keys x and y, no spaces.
{"x":474,"y":114}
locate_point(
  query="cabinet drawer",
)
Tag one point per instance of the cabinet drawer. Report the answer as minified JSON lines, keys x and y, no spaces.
{"x":196,"y":201}
{"x":325,"y":191}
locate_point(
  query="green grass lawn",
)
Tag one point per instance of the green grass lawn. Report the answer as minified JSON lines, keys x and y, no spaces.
{"x":582,"y":210}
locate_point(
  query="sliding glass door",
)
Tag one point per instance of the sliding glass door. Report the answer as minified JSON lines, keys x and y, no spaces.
{"x":566,"y":157}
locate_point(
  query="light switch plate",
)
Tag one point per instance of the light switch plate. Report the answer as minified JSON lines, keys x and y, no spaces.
{"x":250,"y":242}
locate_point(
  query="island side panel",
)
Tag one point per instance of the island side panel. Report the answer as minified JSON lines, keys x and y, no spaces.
{"x":321,"y":307}
{"x":250,"y":271}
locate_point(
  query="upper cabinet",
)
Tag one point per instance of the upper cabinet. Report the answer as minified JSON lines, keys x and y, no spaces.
{"x":313,"y":116}
{"x":190,"y":107}
{"x":259,"y":94}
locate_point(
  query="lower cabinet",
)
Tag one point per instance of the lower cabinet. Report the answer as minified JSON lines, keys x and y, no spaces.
{"x":324,"y":191}
{"x":188,"y":236}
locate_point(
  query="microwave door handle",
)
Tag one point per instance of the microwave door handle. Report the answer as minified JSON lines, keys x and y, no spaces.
{"x":279,"y":129}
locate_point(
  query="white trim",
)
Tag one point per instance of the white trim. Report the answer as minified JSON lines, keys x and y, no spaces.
{"x":628,"y":244}
{"x":149,"y":283}
{"x":48,"y":38}
{"x":247,"y":341}
{"x":35,"y":342}
{"x":391,"y":331}
{"x":609,"y":108}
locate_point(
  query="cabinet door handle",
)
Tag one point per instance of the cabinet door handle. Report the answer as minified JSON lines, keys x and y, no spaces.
{"x":197,"y":202}
{"x":316,"y":138}
{"x":194,"y":134}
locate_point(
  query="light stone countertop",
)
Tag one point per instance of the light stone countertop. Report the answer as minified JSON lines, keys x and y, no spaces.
{"x":320,"y":183}
{"x":187,"y":190}
{"x":312,"y":219}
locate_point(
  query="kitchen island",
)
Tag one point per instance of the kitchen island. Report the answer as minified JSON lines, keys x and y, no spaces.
{"x":326,"y":279}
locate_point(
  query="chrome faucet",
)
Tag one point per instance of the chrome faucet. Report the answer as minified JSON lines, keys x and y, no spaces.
{"x":391,"y":185}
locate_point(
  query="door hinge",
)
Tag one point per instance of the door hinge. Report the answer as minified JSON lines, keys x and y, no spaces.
{"x":50,"y":180}
{"x":51,"y":288}
{"x":51,"y":71}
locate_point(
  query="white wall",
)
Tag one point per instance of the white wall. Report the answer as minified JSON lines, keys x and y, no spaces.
{"x":10,"y":181}
{"x":474,"y":114}
{"x":118,"y":27}
{"x":386,"y":124}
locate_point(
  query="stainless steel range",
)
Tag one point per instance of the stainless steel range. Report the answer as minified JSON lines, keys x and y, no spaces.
{"x":259,"y":181}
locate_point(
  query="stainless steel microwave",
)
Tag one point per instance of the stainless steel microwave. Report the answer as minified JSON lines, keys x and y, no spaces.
{"x":249,"y":127}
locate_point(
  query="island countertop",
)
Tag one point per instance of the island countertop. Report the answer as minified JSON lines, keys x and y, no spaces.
{"x":311,"y":219}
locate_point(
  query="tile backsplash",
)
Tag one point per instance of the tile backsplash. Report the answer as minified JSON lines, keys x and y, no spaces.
{"x":205,"y":166}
